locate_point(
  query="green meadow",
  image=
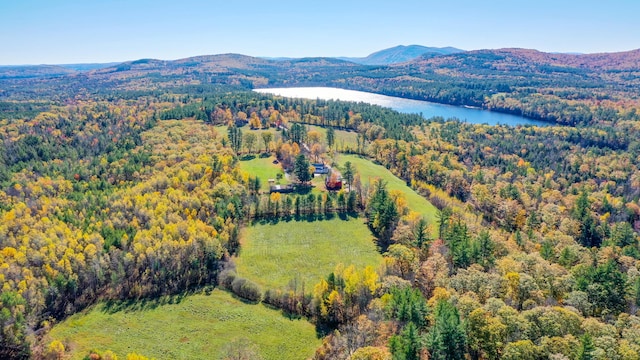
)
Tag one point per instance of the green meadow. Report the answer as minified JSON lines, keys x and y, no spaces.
{"x":273,"y":255}
{"x":264,"y":169}
{"x":196,"y":327}
{"x":343,"y":139}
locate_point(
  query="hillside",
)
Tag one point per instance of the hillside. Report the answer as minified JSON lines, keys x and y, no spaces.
{"x":628,"y":60}
{"x":513,"y":59}
{"x":400,"y":54}
{"x":32,"y":71}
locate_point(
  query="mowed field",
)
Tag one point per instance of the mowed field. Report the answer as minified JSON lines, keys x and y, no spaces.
{"x":369,"y":171}
{"x":273,"y":255}
{"x":198,"y":327}
{"x":264,"y":169}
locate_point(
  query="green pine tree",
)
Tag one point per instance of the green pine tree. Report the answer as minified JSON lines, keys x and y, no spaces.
{"x":586,"y":348}
{"x":407,"y":345}
{"x":301,"y":169}
{"x":447,"y":339}
{"x":331,"y":135}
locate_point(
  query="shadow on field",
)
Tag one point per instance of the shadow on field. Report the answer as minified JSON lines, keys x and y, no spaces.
{"x":344,"y":216}
{"x":247,"y":157}
{"x":114,"y":306}
{"x":322,"y":329}
{"x":241,"y":299}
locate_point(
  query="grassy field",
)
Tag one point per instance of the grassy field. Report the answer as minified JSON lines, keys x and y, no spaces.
{"x":343,"y":139}
{"x":274,"y":254}
{"x":197,"y":327}
{"x":264,"y":169}
{"x":369,"y":171}
{"x":318,"y":184}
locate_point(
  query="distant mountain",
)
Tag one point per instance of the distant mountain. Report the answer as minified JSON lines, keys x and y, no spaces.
{"x":33,"y":71}
{"x":401,"y":53}
{"x":225,"y":65}
{"x":36,"y":71}
{"x":87,"y":67}
{"x":278,"y":58}
{"x":229,"y":69}
{"x":529,"y":60}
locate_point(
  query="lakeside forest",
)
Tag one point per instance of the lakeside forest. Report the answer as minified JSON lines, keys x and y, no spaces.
{"x":144,"y":188}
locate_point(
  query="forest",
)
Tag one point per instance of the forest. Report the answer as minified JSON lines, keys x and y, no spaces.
{"x":127,"y":184}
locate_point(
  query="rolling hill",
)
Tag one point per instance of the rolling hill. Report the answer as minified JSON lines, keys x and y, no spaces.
{"x":513,"y":58}
{"x":402,"y":53}
{"x":32,"y":71}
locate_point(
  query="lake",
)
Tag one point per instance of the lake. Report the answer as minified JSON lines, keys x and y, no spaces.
{"x":425,"y":108}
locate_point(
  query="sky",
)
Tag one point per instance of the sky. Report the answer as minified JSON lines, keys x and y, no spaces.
{"x":90,"y":31}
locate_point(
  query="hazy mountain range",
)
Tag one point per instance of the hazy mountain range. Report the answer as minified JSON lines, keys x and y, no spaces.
{"x":412,"y":55}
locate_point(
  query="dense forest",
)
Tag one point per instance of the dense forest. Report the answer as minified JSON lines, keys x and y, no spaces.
{"x":125,"y":184}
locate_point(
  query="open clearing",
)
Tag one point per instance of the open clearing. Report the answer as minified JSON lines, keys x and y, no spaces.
{"x":273,"y":255}
{"x":369,"y":171}
{"x":264,"y":169}
{"x":343,"y":139}
{"x":197,"y":327}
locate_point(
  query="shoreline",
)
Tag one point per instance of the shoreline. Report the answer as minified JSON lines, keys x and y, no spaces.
{"x":427,"y":109}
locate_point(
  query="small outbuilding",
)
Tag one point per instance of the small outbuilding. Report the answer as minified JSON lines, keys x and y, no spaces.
{"x":320,"y":169}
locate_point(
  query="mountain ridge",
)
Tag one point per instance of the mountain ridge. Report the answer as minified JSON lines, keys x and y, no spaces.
{"x":624,"y":60}
{"x":400,"y":54}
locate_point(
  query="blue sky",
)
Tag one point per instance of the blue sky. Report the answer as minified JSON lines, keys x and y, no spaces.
{"x":82,"y":31}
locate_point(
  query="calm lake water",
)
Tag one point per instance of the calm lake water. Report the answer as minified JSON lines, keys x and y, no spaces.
{"x":426,"y":108}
